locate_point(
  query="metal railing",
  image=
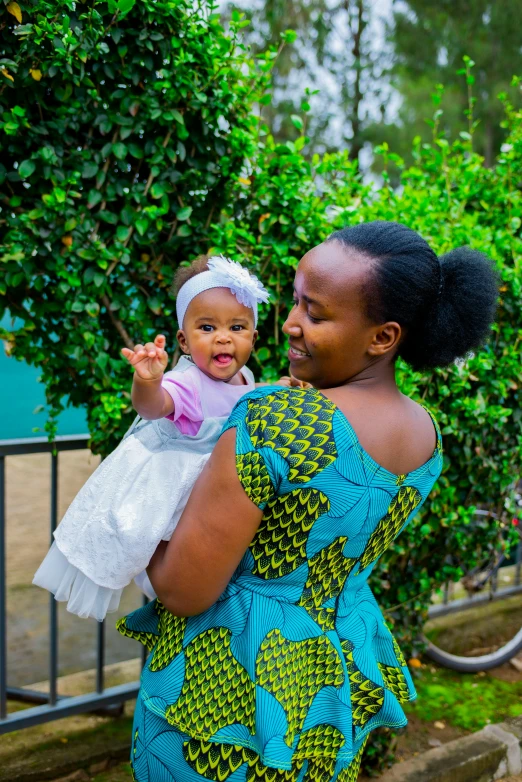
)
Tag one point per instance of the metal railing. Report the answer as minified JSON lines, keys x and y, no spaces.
{"x":49,"y":705}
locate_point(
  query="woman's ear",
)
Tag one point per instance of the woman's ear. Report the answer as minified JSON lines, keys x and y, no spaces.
{"x":182,"y":341}
{"x":385,"y":339}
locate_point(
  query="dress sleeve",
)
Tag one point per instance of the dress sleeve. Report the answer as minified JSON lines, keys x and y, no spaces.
{"x":188,"y":413}
{"x":259,"y":469}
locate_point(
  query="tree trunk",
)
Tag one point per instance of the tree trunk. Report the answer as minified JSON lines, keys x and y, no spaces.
{"x":360,"y":24}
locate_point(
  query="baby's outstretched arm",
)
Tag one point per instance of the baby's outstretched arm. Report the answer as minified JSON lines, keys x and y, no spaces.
{"x":149,"y":399}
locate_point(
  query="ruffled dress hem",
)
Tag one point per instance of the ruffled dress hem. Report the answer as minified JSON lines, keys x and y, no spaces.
{"x":240,"y":741}
{"x":68,"y":584}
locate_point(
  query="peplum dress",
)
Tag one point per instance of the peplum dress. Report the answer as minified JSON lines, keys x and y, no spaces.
{"x":284,"y":677}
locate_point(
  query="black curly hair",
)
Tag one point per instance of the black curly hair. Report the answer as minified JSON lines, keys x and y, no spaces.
{"x":185,"y":273}
{"x":446,"y":305}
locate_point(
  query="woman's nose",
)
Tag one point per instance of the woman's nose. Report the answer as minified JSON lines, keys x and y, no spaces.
{"x":291,"y":326}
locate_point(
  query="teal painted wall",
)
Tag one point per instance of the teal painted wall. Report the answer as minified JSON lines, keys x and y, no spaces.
{"x":20,"y":394}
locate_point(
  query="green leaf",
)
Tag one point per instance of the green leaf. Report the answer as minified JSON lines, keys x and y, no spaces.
{"x":184,"y":213}
{"x":90,"y":169}
{"x":289,"y":36}
{"x":135,"y":150}
{"x":157,"y":190}
{"x":141,"y":225}
{"x":122,"y":233}
{"x":124,"y":6}
{"x":26,"y":168}
{"x":120,"y":150}
{"x":92,"y":308}
{"x":297,"y":122}
{"x":174,"y":114}
{"x":93,"y":197}
{"x":263,"y":354}
{"x":89,"y":338}
{"x":154,"y":304}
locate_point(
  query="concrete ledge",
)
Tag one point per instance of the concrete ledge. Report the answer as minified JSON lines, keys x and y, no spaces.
{"x":490,"y":754}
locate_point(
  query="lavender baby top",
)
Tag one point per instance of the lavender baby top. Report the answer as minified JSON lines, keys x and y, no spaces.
{"x":197,"y":396}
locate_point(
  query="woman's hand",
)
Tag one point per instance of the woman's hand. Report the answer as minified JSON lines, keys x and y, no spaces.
{"x":292,"y":382}
{"x":150,"y":360}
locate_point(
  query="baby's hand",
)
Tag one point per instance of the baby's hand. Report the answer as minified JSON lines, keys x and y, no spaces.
{"x":150,"y":360}
{"x":292,"y":382}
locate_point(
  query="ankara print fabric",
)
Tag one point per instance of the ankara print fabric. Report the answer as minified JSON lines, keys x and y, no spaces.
{"x":160,"y":753}
{"x":294,"y":662}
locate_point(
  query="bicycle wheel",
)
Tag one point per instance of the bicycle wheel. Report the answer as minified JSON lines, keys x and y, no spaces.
{"x":482,"y":662}
{"x":483,"y":630}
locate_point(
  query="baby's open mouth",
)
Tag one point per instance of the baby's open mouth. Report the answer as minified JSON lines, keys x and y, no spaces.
{"x":222,"y":359}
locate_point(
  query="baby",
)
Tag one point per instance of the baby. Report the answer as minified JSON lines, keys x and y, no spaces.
{"x":137,"y":495}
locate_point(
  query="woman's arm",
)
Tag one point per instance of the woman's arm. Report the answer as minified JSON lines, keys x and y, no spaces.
{"x":191,"y":571}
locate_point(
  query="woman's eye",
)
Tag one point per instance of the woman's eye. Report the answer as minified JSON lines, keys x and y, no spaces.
{"x":314,"y":320}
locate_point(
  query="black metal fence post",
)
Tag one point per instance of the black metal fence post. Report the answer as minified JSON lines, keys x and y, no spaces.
{"x":53,"y":606}
{"x":3,"y":607}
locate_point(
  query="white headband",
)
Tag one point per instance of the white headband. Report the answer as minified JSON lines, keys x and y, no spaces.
{"x":222,"y":273}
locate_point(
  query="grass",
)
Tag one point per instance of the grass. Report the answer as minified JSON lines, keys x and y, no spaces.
{"x":466,"y":701}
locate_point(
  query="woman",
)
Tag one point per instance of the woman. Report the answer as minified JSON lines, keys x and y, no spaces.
{"x":270,"y":658}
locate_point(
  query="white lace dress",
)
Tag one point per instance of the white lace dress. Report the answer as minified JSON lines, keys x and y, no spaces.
{"x":133,"y":500}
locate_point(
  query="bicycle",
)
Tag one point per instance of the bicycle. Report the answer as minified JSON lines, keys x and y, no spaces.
{"x":475,"y":583}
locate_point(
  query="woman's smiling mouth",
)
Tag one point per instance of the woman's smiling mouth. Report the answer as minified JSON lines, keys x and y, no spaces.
{"x":294,"y":354}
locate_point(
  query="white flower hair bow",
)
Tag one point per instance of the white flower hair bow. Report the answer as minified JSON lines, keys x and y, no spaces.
{"x":245,"y":286}
{"x":223,"y":273}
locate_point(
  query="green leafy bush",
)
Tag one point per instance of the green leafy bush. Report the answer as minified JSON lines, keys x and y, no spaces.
{"x":121,"y":126}
{"x":130,"y":145}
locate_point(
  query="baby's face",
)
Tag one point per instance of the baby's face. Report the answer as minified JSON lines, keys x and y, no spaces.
{"x":218,"y":332}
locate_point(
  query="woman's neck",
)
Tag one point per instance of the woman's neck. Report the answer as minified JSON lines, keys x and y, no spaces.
{"x":376,"y":377}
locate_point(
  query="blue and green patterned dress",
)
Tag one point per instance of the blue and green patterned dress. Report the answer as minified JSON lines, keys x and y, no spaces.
{"x":282,"y":679}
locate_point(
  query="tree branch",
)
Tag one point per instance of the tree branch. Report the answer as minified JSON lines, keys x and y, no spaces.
{"x":118,"y":325}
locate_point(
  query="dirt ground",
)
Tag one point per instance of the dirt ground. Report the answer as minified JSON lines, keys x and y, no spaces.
{"x":27,"y":540}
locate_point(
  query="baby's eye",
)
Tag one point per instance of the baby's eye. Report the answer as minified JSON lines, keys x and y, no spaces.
{"x":237,"y":327}
{"x":207,"y":327}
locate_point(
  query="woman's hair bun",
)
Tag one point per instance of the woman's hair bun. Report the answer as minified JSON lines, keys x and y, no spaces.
{"x":463,"y":311}
{"x":445,"y":305}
